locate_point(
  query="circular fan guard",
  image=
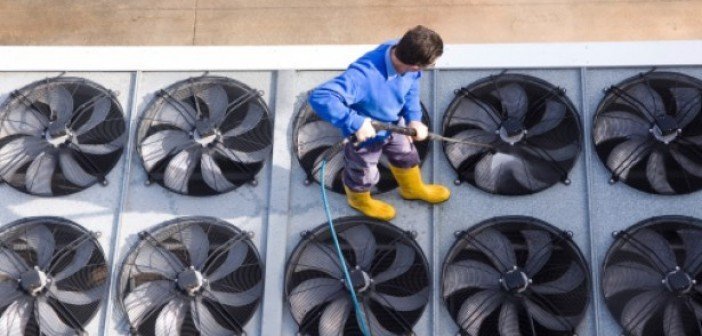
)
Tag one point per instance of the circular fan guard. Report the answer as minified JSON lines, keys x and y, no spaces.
{"x":205,"y":136}
{"x":530,"y":131}
{"x":60,"y":136}
{"x":193,"y":275}
{"x":648,"y":133}
{"x":53,"y":277}
{"x":652,"y":275}
{"x":389,"y":271}
{"x":515,"y":276}
{"x":313,"y":137}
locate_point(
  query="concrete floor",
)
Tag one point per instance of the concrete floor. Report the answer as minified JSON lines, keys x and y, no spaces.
{"x":272,"y":22}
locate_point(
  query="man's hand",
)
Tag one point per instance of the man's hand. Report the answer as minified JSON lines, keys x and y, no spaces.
{"x":366,"y":131}
{"x":422,"y":130}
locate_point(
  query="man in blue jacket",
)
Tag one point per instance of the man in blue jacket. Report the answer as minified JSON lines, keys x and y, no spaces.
{"x":382,"y":85}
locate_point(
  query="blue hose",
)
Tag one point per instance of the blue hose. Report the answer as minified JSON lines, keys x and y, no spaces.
{"x":360,"y":316}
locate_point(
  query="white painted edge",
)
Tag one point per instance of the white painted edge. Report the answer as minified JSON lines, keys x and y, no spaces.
{"x":336,"y":57}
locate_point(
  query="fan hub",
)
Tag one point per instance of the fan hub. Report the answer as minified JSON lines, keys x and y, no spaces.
{"x":678,"y":282}
{"x":59,"y":138}
{"x":360,"y":279}
{"x":512,"y":131}
{"x":205,"y":137}
{"x":34,"y":281}
{"x":515,"y":281}
{"x":191,"y":281}
{"x":665,"y":129}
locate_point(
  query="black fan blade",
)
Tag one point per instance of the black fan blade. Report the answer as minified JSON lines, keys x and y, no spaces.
{"x":15,"y":317}
{"x":513,"y":99}
{"x":171,"y":317}
{"x":147,"y":297}
{"x":239,"y":299}
{"x":691,"y":167}
{"x":496,"y":247}
{"x":695,"y":140}
{"x":332,"y":168}
{"x":73,"y":172}
{"x":569,"y":281}
{"x":216,"y":99}
{"x":643,"y":98}
{"x":23,"y":120}
{"x":457,"y":153}
{"x":315,"y":135}
{"x":492,"y":170}
{"x":243,"y":156}
{"x":485,"y":177}
{"x":235,"y":257}
{"x":539,"y":248}
{"x":469,"y":274}
{"x":476,"y":113}
{"x":61,"y":103}
{"x":476,"y":308}
{"x":11,"y":265}
{"x":553,"y":116}
{"x":9,"y":292}
{"x":177,"y":114}
{"x":640,"y":309}
{"x":548,"y":319}
{"x":254,"y":116}
{"x":628,"y":276}
{"x":653,"y":247}
{"x":688,"y":103}
{"x":153,"y":259}
{"x":180,"y":169}
{"x":162,"y":144}
{"x":627,"y":154}
{"x":212,"y":174}
{"x":672,"y":320}
{"x":102,"y":148}
{"x":693,"y":250}
{"x":509,"y":320}
{"x":40,"y":173}
{"x":334,"y":317}
{"x":98,"y":115}
{"x":204,"y":321}
{"x":319,"y":257}
{"x":374,"y":326}
{"x":362,"y":242}
{"x":402,"y":303}
{"x":78,"y":297}
{"x":49,"y":321}
{"x":310,"y":294}
{"x":17,"y":153}
{"x":404,"y":259}
{"x":657,"y":175}
{"x":195,"y":242}
{"x":619,"y":124}
{"x":40,"y":239}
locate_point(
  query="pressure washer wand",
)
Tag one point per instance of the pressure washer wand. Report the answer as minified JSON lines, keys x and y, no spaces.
{"x":430,"y":136}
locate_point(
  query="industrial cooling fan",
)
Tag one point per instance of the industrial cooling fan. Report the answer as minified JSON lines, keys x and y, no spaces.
{"x":389,"y":272}
{"x":313,"y":137}
{"x":205,"y":136}
{"x":515,"y":276}
{"x":191,"y":276}
{"x":652,"y":275}
{"x":527,"y":130}
{"x":648,"y":132}
{"x":52,"y":277}
{"x":59,"y":136}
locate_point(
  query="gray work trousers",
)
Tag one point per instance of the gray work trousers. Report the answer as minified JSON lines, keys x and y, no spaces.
{"x":361,"y":163}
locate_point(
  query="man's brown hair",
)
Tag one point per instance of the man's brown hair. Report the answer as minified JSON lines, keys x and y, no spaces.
{"x":419,"y":46}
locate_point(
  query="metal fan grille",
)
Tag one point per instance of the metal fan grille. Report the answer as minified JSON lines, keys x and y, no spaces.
{"x":60,"y":136}
{"x":205,"y":136}
{"x":529,"y":130}
{"x":389,"y":271}
{"x":313,"y":137}
{"x":651,"y":275}
{"x":515,"y":276}
{"x":195,"y":275}
{"x":648,"y":133}
{"x":53,"y":277}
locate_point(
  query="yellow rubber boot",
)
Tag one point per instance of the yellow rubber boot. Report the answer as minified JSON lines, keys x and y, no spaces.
{"x":412,"y":187}
{"x":363,"y":202}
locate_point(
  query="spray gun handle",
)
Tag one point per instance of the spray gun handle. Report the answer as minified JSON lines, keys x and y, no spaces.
{"x":394,"y":128}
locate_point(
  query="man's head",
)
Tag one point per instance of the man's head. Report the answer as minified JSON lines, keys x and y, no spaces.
{"x":419,"y":48}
